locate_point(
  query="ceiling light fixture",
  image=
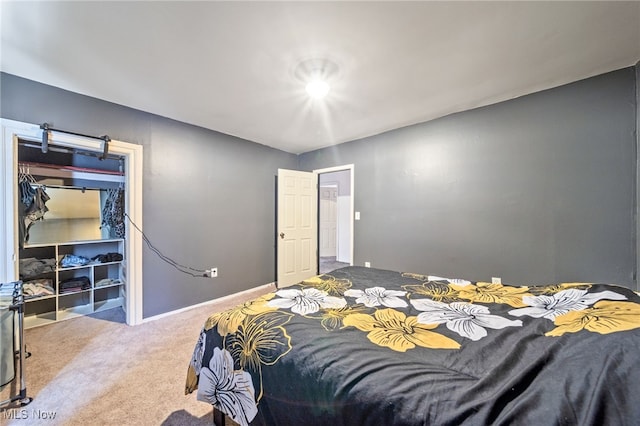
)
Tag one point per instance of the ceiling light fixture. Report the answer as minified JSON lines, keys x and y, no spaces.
{"x":317,"y":89}
{"x":316,"y":75}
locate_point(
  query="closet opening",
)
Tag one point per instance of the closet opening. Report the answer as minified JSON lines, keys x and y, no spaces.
{"x":71,"y":232}
{"x":335,"y":217}
{"x":71,"y":158}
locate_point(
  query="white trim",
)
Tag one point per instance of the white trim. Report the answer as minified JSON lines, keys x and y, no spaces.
{"x":133,"y":182}
{"x":352,"y":190}
{"x":244,"y":295}
{"x":11,"y":130}
{"x":8,"y":172}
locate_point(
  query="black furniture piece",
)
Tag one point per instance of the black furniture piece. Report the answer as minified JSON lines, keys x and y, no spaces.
{"x":12,"y":347}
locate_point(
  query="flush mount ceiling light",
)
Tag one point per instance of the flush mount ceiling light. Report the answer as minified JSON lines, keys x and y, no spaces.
{"x":316,"y":74}
{"x":317,"y":89}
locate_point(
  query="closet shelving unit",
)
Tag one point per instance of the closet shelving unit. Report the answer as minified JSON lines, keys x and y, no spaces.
{"x":64,"y":305}
{"x":99,"y":296}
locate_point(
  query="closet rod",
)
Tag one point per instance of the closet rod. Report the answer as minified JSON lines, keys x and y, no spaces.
{"x":79,"y":188}
{"x":71,"y":172}
{"x":51,"y":166}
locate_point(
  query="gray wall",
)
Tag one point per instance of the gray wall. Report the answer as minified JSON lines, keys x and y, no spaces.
{"x":209,"y":198}
{"x":342,"y":178}
{"x":535,"y":190}
{"x":539,"y":189}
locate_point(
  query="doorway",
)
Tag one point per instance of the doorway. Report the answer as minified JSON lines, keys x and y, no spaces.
{"x":335,"y":218}
{"x":11,"y":131}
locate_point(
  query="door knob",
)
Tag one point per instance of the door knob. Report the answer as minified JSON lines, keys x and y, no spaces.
{"x":282,"y":235}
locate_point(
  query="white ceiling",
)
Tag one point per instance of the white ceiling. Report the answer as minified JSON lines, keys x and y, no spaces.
{"x":230,"y":66}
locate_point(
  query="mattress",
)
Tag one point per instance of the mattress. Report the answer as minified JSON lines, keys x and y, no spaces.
{"x":363,"y":346}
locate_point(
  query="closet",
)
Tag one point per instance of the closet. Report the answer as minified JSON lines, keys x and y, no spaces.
{"x":71,"y":231}
{"x":12,"y":135}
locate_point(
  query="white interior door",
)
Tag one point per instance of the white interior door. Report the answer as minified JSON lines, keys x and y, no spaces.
{"x":297,"y":226}
{"x":328,"y":220}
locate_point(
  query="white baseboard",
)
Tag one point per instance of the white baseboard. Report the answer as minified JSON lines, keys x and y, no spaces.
{"x":243,"y":295}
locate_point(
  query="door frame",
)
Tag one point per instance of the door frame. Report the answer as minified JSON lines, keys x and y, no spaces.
{"x":351,"y":168}
{"x":132,"y":153}
{"x":331,"y":184}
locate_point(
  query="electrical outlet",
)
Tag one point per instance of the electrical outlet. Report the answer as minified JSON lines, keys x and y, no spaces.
{"x":367,"y":264}
{"x":496,"y":280}
{"x":214,"y":272}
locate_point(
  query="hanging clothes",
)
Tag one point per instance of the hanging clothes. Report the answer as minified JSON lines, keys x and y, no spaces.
{"x":33,"y":207}
{"x":113,"y":213}
{"x":37,"y":209}
{"x":26,"y":192}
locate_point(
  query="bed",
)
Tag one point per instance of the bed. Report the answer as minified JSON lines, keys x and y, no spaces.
{"x":364,"y":346}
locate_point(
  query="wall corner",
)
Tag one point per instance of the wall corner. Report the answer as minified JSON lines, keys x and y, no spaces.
{"x":637,"y":192}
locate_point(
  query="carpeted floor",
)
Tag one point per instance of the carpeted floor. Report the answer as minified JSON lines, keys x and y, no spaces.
{"x":329,"y":263}
{"x":96,"y":370}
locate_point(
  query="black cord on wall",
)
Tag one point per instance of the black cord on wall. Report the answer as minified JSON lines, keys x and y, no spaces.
{"x":199,"y":273}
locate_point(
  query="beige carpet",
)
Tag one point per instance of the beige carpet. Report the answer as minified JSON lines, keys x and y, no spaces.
{"x":96,"y":370}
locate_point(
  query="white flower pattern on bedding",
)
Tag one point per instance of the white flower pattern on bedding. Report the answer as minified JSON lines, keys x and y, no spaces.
{"x":466,"y":319}
{"x":198,"y":352}
{"x":229,"y":391}
{"x":552,"y":306}
{"x":377,"y":296}
{"x":306,"y":301}
{"x":232,"y":379}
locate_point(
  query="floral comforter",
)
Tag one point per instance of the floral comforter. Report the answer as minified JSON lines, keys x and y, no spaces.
{"x":362,"y":346}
